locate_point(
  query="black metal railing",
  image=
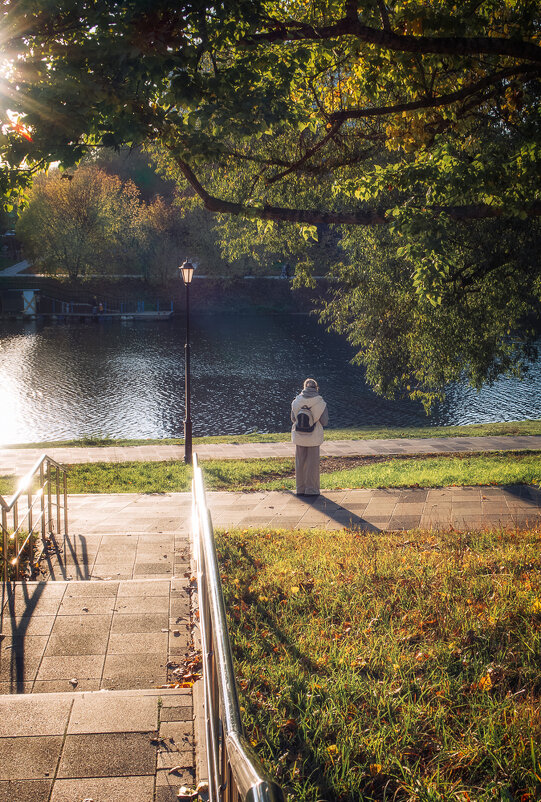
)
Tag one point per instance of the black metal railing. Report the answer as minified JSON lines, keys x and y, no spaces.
{"x":235,"y":771}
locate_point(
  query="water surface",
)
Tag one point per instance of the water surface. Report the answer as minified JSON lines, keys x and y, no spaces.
{"x":127,"y":380}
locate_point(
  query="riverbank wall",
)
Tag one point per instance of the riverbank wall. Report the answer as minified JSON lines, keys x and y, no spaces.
{"x":207,"y":294}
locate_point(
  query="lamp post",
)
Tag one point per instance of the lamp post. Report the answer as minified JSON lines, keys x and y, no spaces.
{"x":186,"y":271}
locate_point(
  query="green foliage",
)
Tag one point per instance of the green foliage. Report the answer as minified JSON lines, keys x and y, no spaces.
{"x":421,"y":322}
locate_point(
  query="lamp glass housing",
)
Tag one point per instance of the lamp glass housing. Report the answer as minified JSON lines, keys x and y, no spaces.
{"x":187,"y":272}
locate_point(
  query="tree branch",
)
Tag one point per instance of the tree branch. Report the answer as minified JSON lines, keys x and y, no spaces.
{"x":402,"y":43}
{"x":431,"y":102}
{"x":309,"y":153}
{"x":315,"y":216}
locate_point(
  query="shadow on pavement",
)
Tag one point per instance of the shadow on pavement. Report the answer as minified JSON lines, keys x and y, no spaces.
{"x":527,"y":493}
{"x":342,"y":516}
{"x":10,"y":593}
{"x":56,"y":558}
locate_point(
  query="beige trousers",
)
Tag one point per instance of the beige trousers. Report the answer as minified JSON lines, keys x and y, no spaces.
{"x":307,"y":470}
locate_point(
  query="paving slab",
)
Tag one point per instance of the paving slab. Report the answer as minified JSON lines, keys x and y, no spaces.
{"x":25,"y":790}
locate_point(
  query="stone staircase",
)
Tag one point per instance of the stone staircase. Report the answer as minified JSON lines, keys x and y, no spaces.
{"x":96,"y":659}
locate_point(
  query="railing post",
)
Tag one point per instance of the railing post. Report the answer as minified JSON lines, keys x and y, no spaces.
{"x":65,"y":504}
{"x":49,"y":497}
{"x":42,"y":485}
{"x":58,"y":525}
{"x":5,"y":542}
{"x":29,"y":500}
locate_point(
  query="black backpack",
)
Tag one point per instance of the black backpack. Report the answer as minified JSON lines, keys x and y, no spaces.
{"x":305,"y":420}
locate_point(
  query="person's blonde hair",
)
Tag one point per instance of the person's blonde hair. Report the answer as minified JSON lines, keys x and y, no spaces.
{"x":312,"y":383}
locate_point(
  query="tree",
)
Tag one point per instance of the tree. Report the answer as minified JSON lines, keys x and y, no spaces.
{"x":482,"y":328}
{"x":85,"y":222}
{"x":419,"y":117}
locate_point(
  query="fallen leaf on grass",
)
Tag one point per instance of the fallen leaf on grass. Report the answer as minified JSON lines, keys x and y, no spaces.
{"x":485,"y":683}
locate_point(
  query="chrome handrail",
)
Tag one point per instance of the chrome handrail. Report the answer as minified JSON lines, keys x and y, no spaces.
{"x":235,"y":771}
{"x":52,"y":485}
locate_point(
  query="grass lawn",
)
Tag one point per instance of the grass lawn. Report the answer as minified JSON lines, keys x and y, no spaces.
{"x":522,"y":467}
{"x":354,"y":433}
{"x":389,"y":667}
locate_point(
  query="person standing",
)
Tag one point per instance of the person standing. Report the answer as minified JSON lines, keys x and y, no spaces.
{"x":309,"y":415}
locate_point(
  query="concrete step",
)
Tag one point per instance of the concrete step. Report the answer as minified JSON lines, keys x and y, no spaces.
{"x":109,"y":746}
{"x":66,"y":636}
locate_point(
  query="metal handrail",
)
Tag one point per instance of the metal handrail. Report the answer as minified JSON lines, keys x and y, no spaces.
{"x":235,"y":771}
{"x":52,"y":488}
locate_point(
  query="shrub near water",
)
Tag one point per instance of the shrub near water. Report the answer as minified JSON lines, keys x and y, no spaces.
{"x":396,"y":666}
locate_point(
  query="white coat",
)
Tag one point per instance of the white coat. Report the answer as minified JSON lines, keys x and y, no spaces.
{"x":319,"y":411}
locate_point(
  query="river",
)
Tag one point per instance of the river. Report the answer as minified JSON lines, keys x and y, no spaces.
{"x":126,"y":379}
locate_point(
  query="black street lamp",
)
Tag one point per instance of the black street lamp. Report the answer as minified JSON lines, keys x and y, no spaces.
{"x":187,"y":275}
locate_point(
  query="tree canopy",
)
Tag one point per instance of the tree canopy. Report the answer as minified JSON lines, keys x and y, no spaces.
{"x":412,"y":125}
{"x":405,"y":107}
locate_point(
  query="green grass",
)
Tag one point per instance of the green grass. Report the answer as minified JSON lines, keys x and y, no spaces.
{"x":365,"y":433}
{"x":499,"y":468}
{"x":167,"y":477}
{"x":392,"y":666}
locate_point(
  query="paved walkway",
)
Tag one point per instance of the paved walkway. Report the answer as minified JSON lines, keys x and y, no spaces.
{"x":20,"y":460}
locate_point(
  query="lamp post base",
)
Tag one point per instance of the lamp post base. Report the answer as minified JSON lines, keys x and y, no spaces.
{"x":188,"y":442}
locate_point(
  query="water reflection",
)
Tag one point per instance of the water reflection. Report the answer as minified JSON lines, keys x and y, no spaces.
{"x":127,"y":380}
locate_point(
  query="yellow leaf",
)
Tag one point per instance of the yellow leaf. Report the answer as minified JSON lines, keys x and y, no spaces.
{"x":294,"y":589}
{"x":375,"y":768}
{"x":485,"y":683}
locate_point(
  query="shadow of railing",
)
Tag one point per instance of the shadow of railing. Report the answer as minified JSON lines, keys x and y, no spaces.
{"x":11,"y":592}
{"x":55,"y":559}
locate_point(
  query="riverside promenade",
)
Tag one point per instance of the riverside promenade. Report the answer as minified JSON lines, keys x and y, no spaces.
{"x":370,"y":509}
{"x":94,"y":657}
{"x":19,"y":460}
